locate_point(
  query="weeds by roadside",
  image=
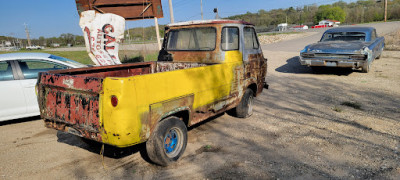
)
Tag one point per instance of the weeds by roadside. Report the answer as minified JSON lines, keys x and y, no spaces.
{"x":392,"y":41}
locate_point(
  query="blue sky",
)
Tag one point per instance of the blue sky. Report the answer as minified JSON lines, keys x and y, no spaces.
{"x":50,"y":18}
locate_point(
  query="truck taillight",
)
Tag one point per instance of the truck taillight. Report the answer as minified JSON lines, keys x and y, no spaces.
{"x":114,"y":101}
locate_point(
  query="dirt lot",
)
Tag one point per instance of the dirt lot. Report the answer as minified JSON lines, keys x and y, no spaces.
{"x":337,"y":124}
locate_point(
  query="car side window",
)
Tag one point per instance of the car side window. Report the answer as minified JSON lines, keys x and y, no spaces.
{"x":6,"y":73}
{"x":250,"y":38}
{"x":31,"y":68}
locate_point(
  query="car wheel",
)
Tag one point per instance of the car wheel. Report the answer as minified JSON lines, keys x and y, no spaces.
{"x":167,"y":142}
{"x":245,"y":107}
{"x":366,"y":68}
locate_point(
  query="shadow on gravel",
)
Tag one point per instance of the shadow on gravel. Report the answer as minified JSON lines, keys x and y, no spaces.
{"x":21,"y":120}
{"x":112,"y":151}
{"x":95,"y":147}
{"x":294,"y":134}
{"x":293,"y":66}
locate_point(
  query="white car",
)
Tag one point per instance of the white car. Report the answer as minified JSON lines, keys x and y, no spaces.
{"x":18,"y":76}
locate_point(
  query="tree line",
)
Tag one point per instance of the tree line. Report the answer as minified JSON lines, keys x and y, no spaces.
{"x":362,"y":11}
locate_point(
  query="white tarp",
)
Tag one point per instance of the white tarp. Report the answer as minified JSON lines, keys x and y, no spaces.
{"x":102,"y":33}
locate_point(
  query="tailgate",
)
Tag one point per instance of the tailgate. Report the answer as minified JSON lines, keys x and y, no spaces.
{"x":70,"y":103}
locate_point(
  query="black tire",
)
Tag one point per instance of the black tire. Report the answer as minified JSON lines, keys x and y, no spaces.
{"x":245,"y":106}
{"x":366,"y":68}
{"x":167,"y":142}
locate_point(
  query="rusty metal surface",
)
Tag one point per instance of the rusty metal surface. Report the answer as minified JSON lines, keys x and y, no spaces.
{"x":70,"y":101}
{"x":256,"y":70}
{"x":122,"y":70}
{"x":129,"y":9}
{"x":170,"y":66}
{"x":164,"y":109}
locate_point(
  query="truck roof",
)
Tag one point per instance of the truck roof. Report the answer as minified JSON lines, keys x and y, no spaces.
{"x":214,"y":21}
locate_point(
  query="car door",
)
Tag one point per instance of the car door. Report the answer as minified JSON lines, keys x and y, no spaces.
{"x":253,"y":59}
{"x":13,"y":104}
{"x":29,"y":69}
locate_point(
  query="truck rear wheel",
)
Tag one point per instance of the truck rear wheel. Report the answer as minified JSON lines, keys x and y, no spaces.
{"x":245,"y":107}
{"x":167,"y":142}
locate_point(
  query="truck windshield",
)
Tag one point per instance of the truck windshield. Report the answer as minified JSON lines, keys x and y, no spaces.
{"x":192,"y":39}
{"x":344,"y":36}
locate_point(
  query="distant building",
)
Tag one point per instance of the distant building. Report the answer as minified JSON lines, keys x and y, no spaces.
{"x":300,"y":27}
{"x":55,"y":45}
{"x":282,"y":27}
{"x":330,"y":23}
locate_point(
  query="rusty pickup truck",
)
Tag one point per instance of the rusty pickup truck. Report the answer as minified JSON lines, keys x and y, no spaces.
{"x":204,"y":68}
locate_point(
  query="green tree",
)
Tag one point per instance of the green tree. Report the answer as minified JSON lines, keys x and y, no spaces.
{"x":329,"y":12}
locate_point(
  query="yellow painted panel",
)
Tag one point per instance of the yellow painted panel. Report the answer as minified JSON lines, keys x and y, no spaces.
{"x":122,"y":124}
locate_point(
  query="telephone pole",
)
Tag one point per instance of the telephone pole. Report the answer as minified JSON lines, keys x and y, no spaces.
{"x":385,"y":10}
{"x":27,"y":34}
{"x":201,"y":7}
{"x":171,"y":11}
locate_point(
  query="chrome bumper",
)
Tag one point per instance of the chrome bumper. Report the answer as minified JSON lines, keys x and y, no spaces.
{"x":332,"y":62}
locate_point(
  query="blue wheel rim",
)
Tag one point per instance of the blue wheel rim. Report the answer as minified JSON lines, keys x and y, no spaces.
{"x":171,"y":141}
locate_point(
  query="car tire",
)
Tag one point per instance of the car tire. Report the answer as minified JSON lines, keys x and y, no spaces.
{"x":245,"y":107}
{"x":366,"y":68}
{"x":167,"y":142}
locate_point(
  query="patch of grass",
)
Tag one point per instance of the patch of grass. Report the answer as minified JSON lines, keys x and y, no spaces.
{"x":137,"y":56}
{"x":337,"y":109}
{"x":392,"y":41}
{"x":78,"y":56}
{"x":355,"y":105}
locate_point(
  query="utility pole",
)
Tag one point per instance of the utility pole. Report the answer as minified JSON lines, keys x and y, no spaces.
{"x":201,"y":7}
{"x":157,"y":33}
{"x":385,"y":10}
{"x":27,"y":34}
{"x":171,"y":11}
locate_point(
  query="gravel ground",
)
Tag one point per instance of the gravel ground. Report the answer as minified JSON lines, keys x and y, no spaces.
{"x":268,"y":39}
{"x":336,"y":124}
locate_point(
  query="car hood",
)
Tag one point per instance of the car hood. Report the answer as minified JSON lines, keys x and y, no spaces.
{"x":344,"y":47}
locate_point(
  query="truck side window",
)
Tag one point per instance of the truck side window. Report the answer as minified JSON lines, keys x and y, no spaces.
{"x":250,"y":38}
{"x":230,"y":38}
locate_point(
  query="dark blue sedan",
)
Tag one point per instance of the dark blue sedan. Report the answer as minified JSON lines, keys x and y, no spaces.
{"x":352,"y":47}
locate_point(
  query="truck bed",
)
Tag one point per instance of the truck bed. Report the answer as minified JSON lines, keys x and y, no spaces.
{"x":70,"y":99}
